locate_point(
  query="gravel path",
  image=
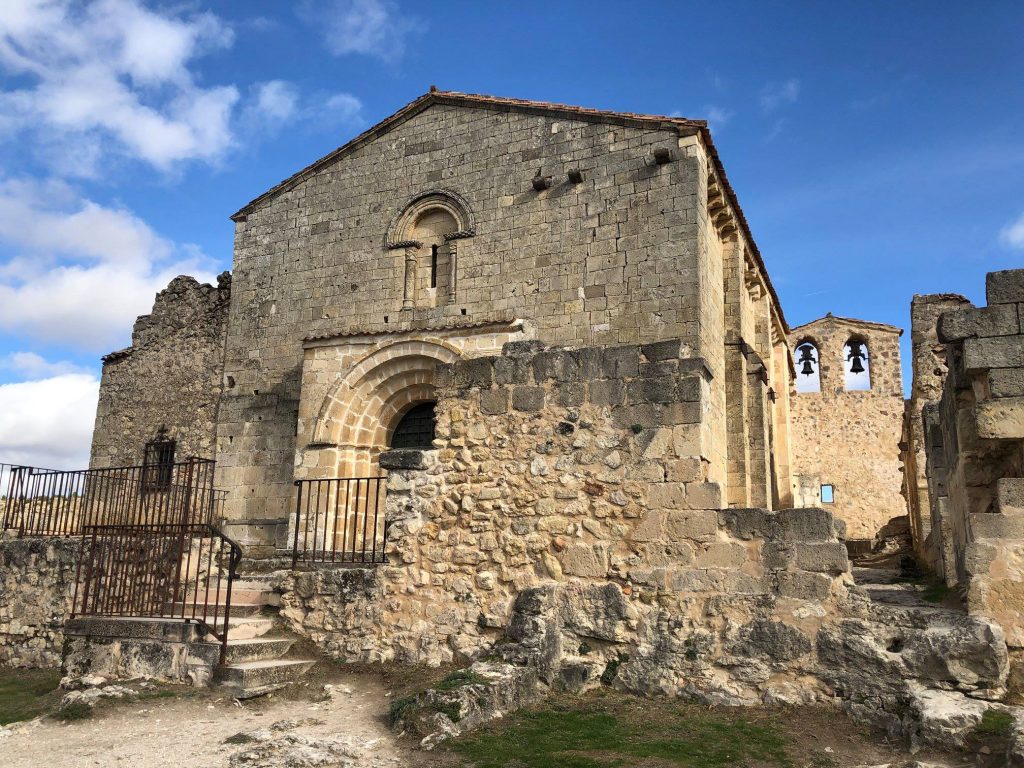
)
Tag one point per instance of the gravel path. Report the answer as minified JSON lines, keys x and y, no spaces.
{"x":191,"y":731}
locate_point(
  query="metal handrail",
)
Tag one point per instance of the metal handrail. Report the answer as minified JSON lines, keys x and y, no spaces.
{"x":168,"y":571}
{"x":48,"y":502}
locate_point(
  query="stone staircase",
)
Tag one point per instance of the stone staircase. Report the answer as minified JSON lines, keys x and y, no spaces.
{"x":258,"y":658}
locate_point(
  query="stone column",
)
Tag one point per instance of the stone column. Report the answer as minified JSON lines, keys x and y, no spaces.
{"x":409,"y":299}
{"x":453,"y":251}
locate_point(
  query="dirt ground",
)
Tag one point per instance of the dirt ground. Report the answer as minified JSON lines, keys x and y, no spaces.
{"x":190,"y":730}
{"x":184,"y":727}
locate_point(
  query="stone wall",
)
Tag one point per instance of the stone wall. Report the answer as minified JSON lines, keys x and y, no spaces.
{"x":170,"y":376}
{"x":929,"y":373}
{"x":584,"y":473}
{"x":37,"y":584}
{"x":975,"y":454}
{"x":850,"y":439}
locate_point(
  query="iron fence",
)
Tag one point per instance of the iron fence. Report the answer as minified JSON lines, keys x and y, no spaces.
{"x":340,"y":520}
{"x":47,"y":502}
{"x":165,"y":571}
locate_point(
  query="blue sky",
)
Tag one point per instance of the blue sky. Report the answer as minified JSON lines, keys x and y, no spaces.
{"x":877,"y":148}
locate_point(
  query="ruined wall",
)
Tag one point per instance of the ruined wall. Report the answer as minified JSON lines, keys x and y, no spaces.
{"x":850,"y":439}
{"x":975,"y":443}
{"x":586,"y":470}
{"x":37,"y":584}
{"x":170,"y":376}
{"x":611,"y":259}
{"x":929,"y":373}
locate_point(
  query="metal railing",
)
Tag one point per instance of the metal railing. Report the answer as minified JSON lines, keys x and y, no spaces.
{"x":340,"y":520}
{"x":164,"y":571}
{"x":46,"y":502}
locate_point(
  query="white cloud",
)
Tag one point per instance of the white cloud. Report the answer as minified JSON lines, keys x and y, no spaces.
{"x":81,"y":272}
{"x":113,"y":76}
{"x":1012,"y":235}
{"x":276,"y":100}
{"x":48,"y":423}
{"x":371,"y":27}
{"x":775,"y":95}
{"x":30,"y":365}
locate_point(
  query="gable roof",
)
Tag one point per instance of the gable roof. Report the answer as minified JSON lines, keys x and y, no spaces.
{"x":685,"y":127}
{"x":850,"y":321}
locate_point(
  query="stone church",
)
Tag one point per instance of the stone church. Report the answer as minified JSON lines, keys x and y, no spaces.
{"x":463,"y":225}
{"x":506,"y":384}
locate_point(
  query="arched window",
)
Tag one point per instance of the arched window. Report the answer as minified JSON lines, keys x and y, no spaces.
{"x":416,"y":428}
{"x":856,"y":365}
{"x":429,"y":229}
{"x":808,"y":367}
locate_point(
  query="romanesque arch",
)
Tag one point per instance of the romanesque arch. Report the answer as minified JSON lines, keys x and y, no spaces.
{"x":428,"y":229}
{"x":358,"y":415}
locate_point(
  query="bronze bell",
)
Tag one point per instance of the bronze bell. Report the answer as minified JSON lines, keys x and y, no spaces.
{"x":856,"y":355}
{"x":807,"y":358}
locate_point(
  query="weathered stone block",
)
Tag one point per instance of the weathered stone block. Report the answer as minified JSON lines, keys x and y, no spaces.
{"x":1006,"y":382}
{"x":666,"y":495}
{"x":529,"y":399}
{"x":571,"y":394}
{"x":585,"y":560}
{"x":1001,"y":418}
{"x":993,"y":352}
{"x":697,"y":580}
{"x":513,"y":370}
{"x":704,"y":496}
{"x":1010,"y":495}
{"x":607,"y":392}
{"x":651,"y":527}
{"x":1005,"y":287}
{"x":804,"y":586}
{"x":993,"y":525}
{"x":688,"y":389}
{"x":686,"y":470}
{"x":662,"y":350}
{"x":822,"y":558}
{"x":523,"y":347}
{"x":404,"y":458}
{"x":559,"y":365}
{"x":748,"y":523}
{"x":998,"y":320}
{"x":620,"y":362}
{"x":692,"y":524}
{"x":661,"y":389}
{"x":494,"y":401}
{"x":805,"y":524}
{"x":772,"y":640}
{"x":476,"y":372}
{"x":721,"y":554}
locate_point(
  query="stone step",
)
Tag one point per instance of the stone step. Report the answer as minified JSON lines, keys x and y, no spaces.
{"x":257,"y":649}
{"x":238,"y":610}
{"x":254,"y":678}
{"x":244,"y":628}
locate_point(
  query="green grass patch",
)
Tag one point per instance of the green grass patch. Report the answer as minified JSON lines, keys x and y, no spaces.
{"x":76,"y":710}
{"x":27,"y":693}
{"x":994,"y":723}
{"x":591,"y":734}
{"x":459,"y":679}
